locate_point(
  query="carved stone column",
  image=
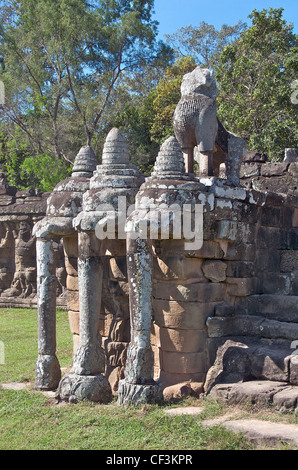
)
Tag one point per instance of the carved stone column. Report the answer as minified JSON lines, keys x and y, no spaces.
{"x":113,"y":181}
{"x":87,"y":381}
{"x":63,"y":205}
{"x":90,"y":358}
{"x":48,"y":371}
{"x":138,"y":385}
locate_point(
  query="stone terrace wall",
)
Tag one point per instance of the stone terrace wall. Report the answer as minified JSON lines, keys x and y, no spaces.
{"x":19,"y":211}
{"x":241,"y":283}
{"x":266,"y":176}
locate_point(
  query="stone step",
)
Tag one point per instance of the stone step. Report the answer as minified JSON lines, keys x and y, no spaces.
{"x":239,"y":359}
{"x":282,"y":395}
{"x":261,"y":433}
{"x":276,"y":307}
{"x":252,"y":325}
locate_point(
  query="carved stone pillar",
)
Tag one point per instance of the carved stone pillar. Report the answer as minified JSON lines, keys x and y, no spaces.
{"x":87,"y":381}
{"x":138,"y":385}
{"x":63,"y":205}
{"x":48,"y":371}
{"x":90,"y":358}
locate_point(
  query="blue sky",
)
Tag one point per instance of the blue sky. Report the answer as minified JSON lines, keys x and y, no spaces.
{"x":174,"y":14}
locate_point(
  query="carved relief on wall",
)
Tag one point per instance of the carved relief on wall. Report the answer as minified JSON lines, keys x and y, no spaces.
{"x":18,"y":262}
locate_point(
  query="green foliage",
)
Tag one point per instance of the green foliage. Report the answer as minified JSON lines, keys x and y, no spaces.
{"x":44,"y":172}
{"x":255,"y":74}
{"x":146,"y":123}
{"x":65,"y":63}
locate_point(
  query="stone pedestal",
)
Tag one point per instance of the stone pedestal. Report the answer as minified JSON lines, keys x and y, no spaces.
{"x":135,"y":394}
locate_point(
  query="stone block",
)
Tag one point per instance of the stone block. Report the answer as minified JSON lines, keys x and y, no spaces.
{"x":185,"y":363}
{"x":72,"y":283}
{"x":170,"y":247}
{"x":71,"y":266}
{"x":286,"y":399}
{"x":229,"y":192}
{"x":294,"y":283}
{"x":243,"y":212}
{"x":293,"y":169}
{"x":180,"y":390}
{"x":251,"y":325}
{"x":182,"y":315}
{"x":257,"y":198}
{"x":214,"y":270}
{"x":186,"y":341}
{"x":238,"y":325}
{"x":274,"y":169}
{"x":275,"y":283}
{"x":271,"y":216}
{"x":74,"y":322}
{"x":277,"y":307}
{"x":178,"y":267}
{"x":223,"y":209}
{"x":168,"y":379}
{"x":224,"y":309}
{"x":276,"y":198}
{"x":240,"y":251}
{"x":6,"y":200}
{"x":289,"y":261}
{"x":242,"y":286}
{"x":267,"y":260}
{"x":270,"y":238}
{"x":73,"y":301}
{"x":236,"y":231}
{"x":240,"y":269}
{"x":260,"y":392}
{"x":247,"y":170}
{"x":196,"y":292}
{"x":210,"y":249}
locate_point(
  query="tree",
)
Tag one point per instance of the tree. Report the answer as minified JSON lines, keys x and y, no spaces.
{"x":149,"y":121}
{"x":255,"y":74}
{"x":204,"y":42}
{"x":64,"y":60}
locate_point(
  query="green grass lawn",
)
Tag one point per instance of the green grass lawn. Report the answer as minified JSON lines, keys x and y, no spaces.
{"x":30,"y":420}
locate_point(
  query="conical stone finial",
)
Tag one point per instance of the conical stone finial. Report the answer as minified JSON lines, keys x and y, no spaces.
{"x":170,"y":161}
{"x":85,"y":163}
{"x":115,"y":170}
{"x":115,"y":150}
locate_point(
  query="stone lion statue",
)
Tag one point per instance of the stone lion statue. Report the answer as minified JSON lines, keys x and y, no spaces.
{"x":196,"y":126}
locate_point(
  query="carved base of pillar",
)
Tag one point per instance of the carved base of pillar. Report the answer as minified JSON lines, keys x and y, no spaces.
{"x":135,"y":394}
{"x":47,"y":372}
{"x":74,"y":388}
